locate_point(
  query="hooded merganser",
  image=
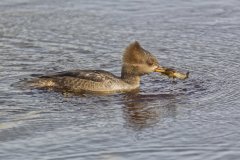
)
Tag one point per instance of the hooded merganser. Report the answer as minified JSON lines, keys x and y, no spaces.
{"x":136,"y":63}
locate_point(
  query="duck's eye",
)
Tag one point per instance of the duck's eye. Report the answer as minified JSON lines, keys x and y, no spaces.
{"x":150,"y":62}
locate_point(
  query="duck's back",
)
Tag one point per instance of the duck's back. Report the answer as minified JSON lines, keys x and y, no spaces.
{"x":81,"y":80}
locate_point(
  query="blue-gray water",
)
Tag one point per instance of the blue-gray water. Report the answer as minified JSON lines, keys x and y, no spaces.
{"x":194,"y":119}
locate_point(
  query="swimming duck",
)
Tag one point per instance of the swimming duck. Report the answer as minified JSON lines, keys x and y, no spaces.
{"x":136,"y":62}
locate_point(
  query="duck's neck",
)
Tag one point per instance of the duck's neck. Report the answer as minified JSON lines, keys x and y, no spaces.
{"x":129,"y":75}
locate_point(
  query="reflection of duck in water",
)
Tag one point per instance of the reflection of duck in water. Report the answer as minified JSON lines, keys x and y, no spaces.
{"x":136,"y":63}
{"x":145,"y":110}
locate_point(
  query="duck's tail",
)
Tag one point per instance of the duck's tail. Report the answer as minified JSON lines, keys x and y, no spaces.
{"x":41,"y":83}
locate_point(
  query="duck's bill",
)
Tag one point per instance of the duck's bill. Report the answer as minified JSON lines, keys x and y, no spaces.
{"x":160,"y":69}
{"x":171,"y":73}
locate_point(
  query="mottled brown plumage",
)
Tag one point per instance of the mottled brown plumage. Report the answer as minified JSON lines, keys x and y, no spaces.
{"x":136,"y":62}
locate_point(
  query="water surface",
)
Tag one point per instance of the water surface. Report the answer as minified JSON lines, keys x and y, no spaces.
{"x":193,"y":119}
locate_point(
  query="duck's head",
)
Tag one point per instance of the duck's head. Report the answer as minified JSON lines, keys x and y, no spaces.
{"x":138,"y":61}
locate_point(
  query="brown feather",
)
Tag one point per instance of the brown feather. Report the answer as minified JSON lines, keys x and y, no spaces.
{"x":134,"y":54}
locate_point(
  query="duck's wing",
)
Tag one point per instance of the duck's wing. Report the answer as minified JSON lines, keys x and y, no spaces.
{"x":78,"y":81}
{"x":91,"y":75}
